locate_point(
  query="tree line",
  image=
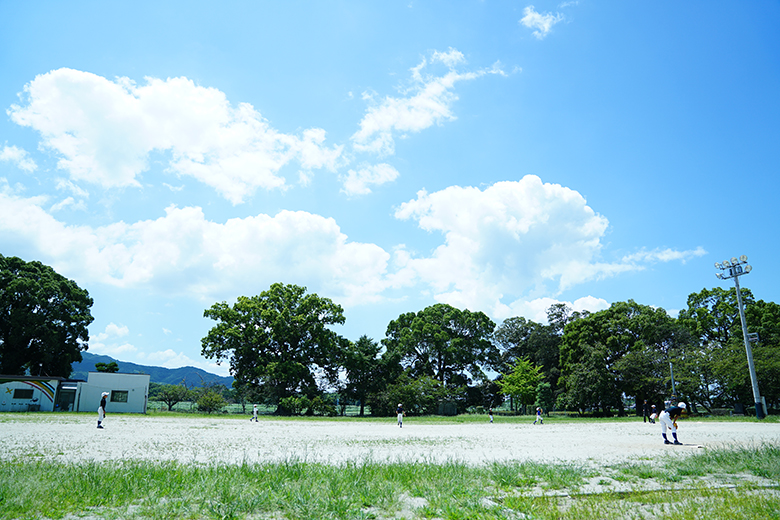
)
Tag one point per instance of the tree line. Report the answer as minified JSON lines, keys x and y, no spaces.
{"x":282,"y":350}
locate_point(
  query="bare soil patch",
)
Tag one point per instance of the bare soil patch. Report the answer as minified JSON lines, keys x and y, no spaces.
{"x":235,"y":441}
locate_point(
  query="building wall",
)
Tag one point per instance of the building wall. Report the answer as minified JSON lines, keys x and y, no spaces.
{"x":35,"y":393}
{"x":128,"y":393}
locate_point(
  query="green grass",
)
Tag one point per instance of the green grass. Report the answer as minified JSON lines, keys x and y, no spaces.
{"x":36,"y":489}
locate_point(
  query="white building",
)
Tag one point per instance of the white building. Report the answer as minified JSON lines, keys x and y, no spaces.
{"x":128,"y":393}
{"x":28,"y":394}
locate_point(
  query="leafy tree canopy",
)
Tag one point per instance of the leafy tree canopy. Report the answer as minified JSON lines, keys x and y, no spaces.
{"x":443,"y":342}
{"x":363,"y":368}
{"x":522,"y":382}
{"x":623,"y":350}
{"x":278,"y":341}
{"x":721,"y":361}
{"x":172,"y":394}
{"x":107,"y":367}
{"x":43,"y":319}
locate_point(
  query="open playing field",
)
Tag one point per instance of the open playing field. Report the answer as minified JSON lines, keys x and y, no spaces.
{"x":232,"y":440}
{"x":225,"y":467}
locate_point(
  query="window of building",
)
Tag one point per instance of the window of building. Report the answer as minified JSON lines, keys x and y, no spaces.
{"x":23,"y":393}
{"x":119,"y":396}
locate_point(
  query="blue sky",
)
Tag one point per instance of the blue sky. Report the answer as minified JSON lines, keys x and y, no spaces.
{"x":496,"y":156}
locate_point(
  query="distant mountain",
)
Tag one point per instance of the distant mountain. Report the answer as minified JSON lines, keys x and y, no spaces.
{"x":170,"y":376}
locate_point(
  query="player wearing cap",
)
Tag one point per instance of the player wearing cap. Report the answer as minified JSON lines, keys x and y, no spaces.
{"x":102,"y":409}
{"x":400,"y":413}
{"x":668,"y":419}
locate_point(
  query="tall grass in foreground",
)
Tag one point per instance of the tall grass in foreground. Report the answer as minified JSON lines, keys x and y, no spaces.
{"x":301,"y":490}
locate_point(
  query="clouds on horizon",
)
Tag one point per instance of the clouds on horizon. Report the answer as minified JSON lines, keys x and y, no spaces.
{"x":510,"y":248}
{"x":513,"y":242}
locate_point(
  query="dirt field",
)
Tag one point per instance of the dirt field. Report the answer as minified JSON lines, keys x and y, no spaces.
{"x":232,"y":441}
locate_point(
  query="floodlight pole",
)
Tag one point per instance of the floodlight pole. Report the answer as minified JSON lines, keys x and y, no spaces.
{"x":735,"y":270}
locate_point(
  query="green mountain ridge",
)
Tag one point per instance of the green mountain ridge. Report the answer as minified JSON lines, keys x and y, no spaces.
{"x":190,"y":376}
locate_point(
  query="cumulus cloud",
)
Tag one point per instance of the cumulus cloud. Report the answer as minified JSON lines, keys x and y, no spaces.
{"x":426,"y":102}
{"x":509,"y":244}
{"x":536,"y":309}
{"x":104,"y":131}
{"x":19,"y":157}
{"x":541,"y":23}
{"x":359,"y":182}
{"x":109,"y":342}
{"x":183,"y":253}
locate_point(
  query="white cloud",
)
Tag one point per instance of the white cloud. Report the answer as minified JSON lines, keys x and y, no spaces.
{"x":66,"y":185}
{"x":536,"y":310}
{"x":19,"y":157}
{"x":508,"y":245}
{"x":183,"y":253}
{"x":428,"y":102}
{"x":68,"y":202}
{"x":173,"y":188}
{"x":105,"y":130}
{"x":113,"y":331}
{"x":664,"y":255}
{"x":358,"y":182}
{"x":541,"y":23}
{"x":108,"y":342}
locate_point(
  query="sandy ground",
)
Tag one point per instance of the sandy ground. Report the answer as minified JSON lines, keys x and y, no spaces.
{"x":233,"y":441}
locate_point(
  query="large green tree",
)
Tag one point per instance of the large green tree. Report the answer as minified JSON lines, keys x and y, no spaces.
{"x":719,"y":365}
{"x":43,"y":319}
{"x":519,"y":337}
{"x":172,"y":394}
{"x":444,"y":343}
{"x":278,"y":341}
{"x":363,"y":367}
{"x":623,"y":350}
{"x":521,"y":382}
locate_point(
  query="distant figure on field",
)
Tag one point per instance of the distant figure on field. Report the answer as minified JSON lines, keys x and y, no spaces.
{"x":668,"y":420}
{"x":490,"y":414}
{"x":653,"y":414}
{"x":254,"y":414}
{"x":400,"y":412}
{"x":645,"y":411}
{"x":102,"y":409}
{"x":539,"y":416}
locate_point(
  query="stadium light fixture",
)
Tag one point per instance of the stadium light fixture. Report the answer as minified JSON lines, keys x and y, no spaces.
{"x":734,"y":269}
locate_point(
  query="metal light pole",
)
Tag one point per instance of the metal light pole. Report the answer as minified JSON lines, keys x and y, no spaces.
{"x":733,"y":269}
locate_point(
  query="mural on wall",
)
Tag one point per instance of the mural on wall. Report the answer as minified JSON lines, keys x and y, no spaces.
{"x":46,"y":388}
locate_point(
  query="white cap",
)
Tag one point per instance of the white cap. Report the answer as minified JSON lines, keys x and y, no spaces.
{"x":104,"y":393}
{"x":681,"y":405}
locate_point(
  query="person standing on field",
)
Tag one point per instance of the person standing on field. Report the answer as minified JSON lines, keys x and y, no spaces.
{"x":102,"y":409}
{"x":645,"y":411}
{"x":653,"y":414}
{"x":400,"y":412}
{"x":668,"y":419}
{"x":490,"y":414}
{"x":254,"y":414}
{"x":539,"y":416}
